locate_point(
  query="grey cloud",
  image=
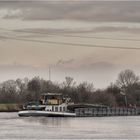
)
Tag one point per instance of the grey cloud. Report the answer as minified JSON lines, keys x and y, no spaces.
{"x":16,"y":70}
{"x":65,"y":62}
{"x":97,"y":66}
{"x":2,"y":37}
{"x":89,"y":65}
{"x":53,"y":31}
{"x":43,"y":32}
{"x":85,"y":11}
{"x":16,"y":66}
{"x":100,"y":78}
{"x":13,"y":14}
{"x":100,"y":73}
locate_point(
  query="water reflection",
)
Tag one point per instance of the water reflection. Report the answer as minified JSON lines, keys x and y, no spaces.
{"x":54,"y":121}
{"x":14,"y":127}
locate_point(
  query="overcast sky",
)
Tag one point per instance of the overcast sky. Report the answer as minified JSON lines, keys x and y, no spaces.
{"x":87,"y":40}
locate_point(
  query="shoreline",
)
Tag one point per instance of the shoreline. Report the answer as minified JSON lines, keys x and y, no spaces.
{"x":8,"y":111}
{"x":10,"y":107}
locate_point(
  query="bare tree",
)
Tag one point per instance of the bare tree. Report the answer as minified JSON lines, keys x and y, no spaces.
{"x":9,"y":91}
{"x":35,"y":87}
{"x":84,"y":91}
{"x":127,"y":78}
{"x":69,"y":81}
{"x":126,"y":81}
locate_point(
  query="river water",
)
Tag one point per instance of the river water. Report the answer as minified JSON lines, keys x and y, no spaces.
{"x":38,"y":128}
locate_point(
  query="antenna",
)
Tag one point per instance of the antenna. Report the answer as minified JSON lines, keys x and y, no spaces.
{"x":49,"y":73}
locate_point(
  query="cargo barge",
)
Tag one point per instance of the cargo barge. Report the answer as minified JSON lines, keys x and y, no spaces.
{"x":55,"y":105}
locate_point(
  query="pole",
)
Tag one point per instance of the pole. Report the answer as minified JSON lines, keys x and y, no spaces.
{"x":49,"y":74}
{"x":123,"y":92}
{"x":125,"y":98}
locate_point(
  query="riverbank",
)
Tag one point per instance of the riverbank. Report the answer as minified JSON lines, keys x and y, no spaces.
{"x":10,"y":107}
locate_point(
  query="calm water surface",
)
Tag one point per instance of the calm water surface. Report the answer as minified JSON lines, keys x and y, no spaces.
{"x":105,"y":128}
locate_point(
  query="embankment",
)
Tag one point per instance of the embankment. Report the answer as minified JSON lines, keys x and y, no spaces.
{"x":10,"y":107}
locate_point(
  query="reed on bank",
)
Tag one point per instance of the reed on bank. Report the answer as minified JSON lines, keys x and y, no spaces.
{"x":10,"y":107}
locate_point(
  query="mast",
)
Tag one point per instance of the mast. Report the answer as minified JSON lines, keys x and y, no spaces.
{"x":49,"y":73}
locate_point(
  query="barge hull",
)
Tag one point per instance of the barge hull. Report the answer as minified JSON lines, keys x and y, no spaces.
{"x":45,"y":114}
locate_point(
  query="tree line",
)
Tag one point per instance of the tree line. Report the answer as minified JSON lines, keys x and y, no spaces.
{"x":125,"y":91}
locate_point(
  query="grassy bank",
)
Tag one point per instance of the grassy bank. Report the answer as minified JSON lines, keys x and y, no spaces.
{"x":10,"y":107}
